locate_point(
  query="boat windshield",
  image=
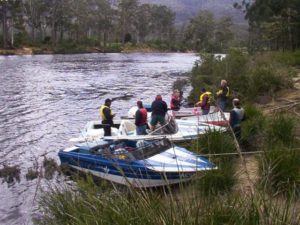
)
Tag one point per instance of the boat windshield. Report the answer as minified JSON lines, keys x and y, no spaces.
{"x":146,"y":149}
{"x":142,"y":150}
{"x":129,"y":150}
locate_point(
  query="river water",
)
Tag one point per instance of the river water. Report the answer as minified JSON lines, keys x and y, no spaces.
{"x":47,"y":99}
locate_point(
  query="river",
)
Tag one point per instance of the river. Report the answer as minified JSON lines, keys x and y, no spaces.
{"x":47,"y":99}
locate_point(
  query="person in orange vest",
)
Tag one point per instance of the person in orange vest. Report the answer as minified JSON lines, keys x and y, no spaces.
{"x":107,"y":117}
{"x":222,"y":95}
{"x":141,"y":119}
{"x":204,"y":101}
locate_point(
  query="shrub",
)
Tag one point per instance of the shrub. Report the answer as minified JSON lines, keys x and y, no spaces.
{"x":50,"y":167}
{"x":252,"y":127}
{"x":222,"y":179}
{"x":213,"y":142}
{"x":32,"y":174}
{"x":281,"y":129}
{"x":280,"y":169}
{"x":218,"y":181}
{"x":10,"y":174}
{"x":253,"y":75}
{"x":89,"y":204}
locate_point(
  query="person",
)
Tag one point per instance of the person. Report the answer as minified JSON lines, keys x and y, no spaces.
{"x":141,"y":119}
{"x":107,"y":117}
{"x":222,"y":95}
{"x":204,"y":101}
{"x":237,"y":115}
{"x":175,"y":100}
{"x":159,"y":110}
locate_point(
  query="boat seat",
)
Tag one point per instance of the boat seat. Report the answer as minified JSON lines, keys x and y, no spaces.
{"x":128,"y":127}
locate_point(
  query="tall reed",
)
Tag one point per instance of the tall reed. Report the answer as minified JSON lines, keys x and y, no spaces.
{"x":88,"y":204}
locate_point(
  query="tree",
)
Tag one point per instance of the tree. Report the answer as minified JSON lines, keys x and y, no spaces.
{"x":223,"y":33}
{"x":162,"y":22}
{"x":201,"y":30}
{"x":4,"y":6}
{"x":102,"y":18}
{"x":127,"y":12}
{"x":34,"y":11}
{"x":12,"y":20}
{"x":276,"y":23}
{"x":143,"y":22}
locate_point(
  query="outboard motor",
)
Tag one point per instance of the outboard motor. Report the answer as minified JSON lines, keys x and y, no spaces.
{"x":171,"y":126}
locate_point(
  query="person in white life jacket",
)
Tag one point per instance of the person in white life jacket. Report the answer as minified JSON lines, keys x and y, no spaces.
{"x":204,"y":101}
{"x":141,"y":119}
{"x":237,"y":115}
{"x":107,"y":117}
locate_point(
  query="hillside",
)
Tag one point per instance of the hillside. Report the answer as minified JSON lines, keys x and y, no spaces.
{"x":186,"y":9}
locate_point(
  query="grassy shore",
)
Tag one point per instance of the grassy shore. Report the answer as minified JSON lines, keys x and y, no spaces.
{"x":71,"y":48}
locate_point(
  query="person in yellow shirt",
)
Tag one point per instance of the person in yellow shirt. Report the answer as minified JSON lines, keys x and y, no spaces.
{"x":204,"y":101}
{"x":107,"y":117}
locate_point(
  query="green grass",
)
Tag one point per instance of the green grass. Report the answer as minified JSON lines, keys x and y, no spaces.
{"x":10,"y":174}
{"x":253,"y":128}
{"x":213,"y":142}
{"x":281,"y":129}
{"x":218,"y":181}
{"x":89,"y":204}
{"x":280,"y":170}
{"x":252,"y":75}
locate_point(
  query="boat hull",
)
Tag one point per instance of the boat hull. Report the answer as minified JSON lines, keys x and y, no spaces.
{"x":170,"y":166}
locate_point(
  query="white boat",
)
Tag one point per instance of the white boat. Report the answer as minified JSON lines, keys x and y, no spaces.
{"x":174,"y":130}
{"x":214,"y":117}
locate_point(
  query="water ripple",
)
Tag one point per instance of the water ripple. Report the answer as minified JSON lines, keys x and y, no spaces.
{"x":45,"y":100}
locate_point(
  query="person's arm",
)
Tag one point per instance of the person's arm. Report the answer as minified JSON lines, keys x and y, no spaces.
{"x":137,"y":117}
{"x":165,"y":107}
{"x":204,"y":101}
{"x":107,"y":114}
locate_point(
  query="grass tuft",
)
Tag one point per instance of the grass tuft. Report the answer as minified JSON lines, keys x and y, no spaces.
{"x":50,"y":167}
{"x":32,"y":174}
{"x":10,"y":174}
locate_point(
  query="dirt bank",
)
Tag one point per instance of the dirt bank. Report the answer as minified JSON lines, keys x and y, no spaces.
{"x":284,"y":101}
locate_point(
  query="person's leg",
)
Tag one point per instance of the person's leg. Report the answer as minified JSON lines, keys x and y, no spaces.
{"x":205,"y":111}
{"x":153,"y":123}
{"x":106,"y":128}
{"x":161,"y":120}
{"x":237,"y":132}
{"x":141,"y":130}
{"x":221,"y":104}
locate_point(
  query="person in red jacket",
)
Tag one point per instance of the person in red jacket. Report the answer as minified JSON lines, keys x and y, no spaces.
{"x":175,"y":100}
{"x":141,"y":119}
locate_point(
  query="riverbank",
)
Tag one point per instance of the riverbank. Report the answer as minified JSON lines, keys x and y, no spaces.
{"x":115,"y":48}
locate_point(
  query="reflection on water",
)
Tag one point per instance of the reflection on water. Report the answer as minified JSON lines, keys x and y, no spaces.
{"x":45,"y":100}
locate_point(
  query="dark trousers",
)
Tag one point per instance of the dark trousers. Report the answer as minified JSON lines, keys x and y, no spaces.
{"x":237,"y":132}
{"x":107,"y":128}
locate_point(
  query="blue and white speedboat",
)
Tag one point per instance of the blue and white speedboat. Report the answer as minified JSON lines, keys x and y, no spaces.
{"x":136,"y":163}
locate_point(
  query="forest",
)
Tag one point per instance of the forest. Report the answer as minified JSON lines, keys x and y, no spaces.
{"x":106,"y":24}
